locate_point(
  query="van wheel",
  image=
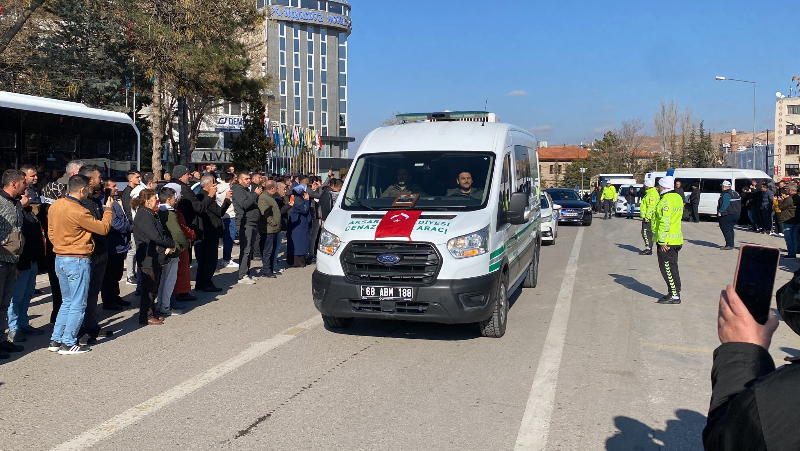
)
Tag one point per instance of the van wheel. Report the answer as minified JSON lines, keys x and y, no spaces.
{"x":334,"y":322}
{"x":495,"y":326}
{"x":532,"y":278}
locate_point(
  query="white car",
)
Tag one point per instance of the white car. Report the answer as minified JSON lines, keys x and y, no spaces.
{"x":549,"y":219}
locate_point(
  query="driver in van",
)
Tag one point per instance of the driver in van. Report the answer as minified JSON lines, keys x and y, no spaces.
{"x":465,"y":188}
{"x":401,"y":187}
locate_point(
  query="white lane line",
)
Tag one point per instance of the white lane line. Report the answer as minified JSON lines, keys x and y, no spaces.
{"x":158,"y":402}
{"x":536,"y":421}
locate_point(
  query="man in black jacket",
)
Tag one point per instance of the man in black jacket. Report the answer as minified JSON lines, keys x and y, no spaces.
{"x":694,"y":203}
{"x":189,"y":205}
{"x":245,"y":203}
{"x":99,"y":258}
{"x":211,"y":224}
{"x":753,"y":406}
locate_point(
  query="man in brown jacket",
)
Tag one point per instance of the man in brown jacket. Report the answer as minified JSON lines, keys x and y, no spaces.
{"x":73,"y":245}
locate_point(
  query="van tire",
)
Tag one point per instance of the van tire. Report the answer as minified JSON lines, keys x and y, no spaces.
{"x":532,"y":278}
{"x":334,"y":322}
{"x":495,"y":326}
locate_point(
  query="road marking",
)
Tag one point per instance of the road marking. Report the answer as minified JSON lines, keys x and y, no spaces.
{"x":158,"y":402}
{"x":536,"y":421}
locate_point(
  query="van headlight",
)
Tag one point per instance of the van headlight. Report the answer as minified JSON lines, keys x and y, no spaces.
{"x":476,"y":243}
{"x":328,"y":242}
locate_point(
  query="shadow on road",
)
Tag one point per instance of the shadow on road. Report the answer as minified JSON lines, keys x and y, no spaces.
{"x":628,"y":247}
{"x":633,"y":284}
{"x":683,"y":434}
{"x":704,"y":243}
{"x":791,"y":351}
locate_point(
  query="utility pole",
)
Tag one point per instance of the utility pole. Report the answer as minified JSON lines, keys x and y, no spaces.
{"x":583,"y":171}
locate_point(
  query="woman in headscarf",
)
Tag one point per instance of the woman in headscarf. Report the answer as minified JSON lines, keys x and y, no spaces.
{"x":299,"y":225}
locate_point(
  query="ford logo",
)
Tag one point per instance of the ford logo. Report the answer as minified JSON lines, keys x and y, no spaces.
{"x":389,"y":259}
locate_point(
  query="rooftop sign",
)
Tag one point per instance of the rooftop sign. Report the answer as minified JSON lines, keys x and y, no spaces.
{"x":310,"y":16}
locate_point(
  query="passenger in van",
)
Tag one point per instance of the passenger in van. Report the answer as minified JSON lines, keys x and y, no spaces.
{"x":402,"y":186}
{"x":465,"y":188}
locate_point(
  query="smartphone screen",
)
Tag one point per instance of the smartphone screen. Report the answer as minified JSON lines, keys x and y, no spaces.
{"x":755,"y":278}
{"x":107,"y":193}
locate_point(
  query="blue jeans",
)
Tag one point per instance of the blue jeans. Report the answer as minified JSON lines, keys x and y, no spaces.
{"x":21,"y":299}
{"x":228,"y":235}
{"x":73,"y":278}
{"x":790,"y":232}
{"x":630,"y":210}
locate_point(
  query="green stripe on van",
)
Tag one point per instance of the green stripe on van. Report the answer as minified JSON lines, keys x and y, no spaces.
{"x":494,"y":267}
{"x":498,"y":252}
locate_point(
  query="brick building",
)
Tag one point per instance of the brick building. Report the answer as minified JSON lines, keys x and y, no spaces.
{"x":554,"y":160}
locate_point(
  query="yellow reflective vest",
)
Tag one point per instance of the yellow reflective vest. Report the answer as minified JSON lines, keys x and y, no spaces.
{"x":648,"y":203}
{"x":610,"y":193}
{"x":666,"y":220}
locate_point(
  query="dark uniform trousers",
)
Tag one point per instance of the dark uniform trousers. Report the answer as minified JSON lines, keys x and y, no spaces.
{"x":647,"y":234}
{"x":608,"y":206}
{"x":668,"y":263}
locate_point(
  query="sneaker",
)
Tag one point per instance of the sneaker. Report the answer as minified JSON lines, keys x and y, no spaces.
{"x":54,"y":346}
{"x":270,"y":275}
{"x":186,"y":297}
{"x":230,"y":264}
{"x":726,"y":248}
{"x":247,"y":280}
{"x":779,"y":235}
{"x":646,"y":252}
{"x":72,"y":350}
{"x":166,"y":313}
{"x":129,"y":281}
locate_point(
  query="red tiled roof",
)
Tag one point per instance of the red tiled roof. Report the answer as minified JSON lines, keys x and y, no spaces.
{"x":562,"y":153}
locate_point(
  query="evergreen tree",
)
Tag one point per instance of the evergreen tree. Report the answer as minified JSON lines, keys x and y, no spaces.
{"x":253,"y":147}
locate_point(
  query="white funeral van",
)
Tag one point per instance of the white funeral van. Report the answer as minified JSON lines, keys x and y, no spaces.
{"x":477,"y":239}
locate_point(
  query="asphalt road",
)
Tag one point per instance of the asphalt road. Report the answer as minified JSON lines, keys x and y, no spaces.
{"x":589,"y":362}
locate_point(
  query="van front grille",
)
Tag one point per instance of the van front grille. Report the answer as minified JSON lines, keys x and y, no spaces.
{"x":418,"y":264}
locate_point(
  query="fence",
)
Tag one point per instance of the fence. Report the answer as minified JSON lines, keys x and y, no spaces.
{"x":761,"y":158}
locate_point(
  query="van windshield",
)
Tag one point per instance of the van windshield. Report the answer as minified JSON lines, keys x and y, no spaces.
{"x":443,"y":180}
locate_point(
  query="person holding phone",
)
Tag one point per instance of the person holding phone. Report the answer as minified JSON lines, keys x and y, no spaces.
{"x":666,"y":223}
{"x":729,"y":208}
{"x":753,"y":405}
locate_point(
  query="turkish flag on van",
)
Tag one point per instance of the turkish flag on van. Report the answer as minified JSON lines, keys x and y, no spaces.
{"x":397,"y":223}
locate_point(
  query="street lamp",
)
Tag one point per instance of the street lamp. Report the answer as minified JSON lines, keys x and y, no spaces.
{"x":583,"y":170}
{"x":754,"y":115}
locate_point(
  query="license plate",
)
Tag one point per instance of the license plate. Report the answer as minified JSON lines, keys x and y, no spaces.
{"x":387,"y":293}
{"x":570,"y":213}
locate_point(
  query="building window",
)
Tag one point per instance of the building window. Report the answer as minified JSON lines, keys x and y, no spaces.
{"x":551,"y":169}
{"x":342,"y":84}
{"x":296,"y":74}
{"x":793,"y":150}
{"x":282,"y":33}
{"x":793,"y":109}
{"x":793,"y":130}
{"x":793,"y":170}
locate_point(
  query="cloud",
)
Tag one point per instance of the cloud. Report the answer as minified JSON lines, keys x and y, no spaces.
{"x":517,"y":93}
{"x":542,"y":130}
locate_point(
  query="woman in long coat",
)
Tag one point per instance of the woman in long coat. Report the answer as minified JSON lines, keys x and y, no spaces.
{"x":184,"y":283}
{"x":299,"y":224}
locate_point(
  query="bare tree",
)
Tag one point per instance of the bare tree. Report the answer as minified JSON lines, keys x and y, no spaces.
{"x":631,"y":137}
{"x":666,"y":122}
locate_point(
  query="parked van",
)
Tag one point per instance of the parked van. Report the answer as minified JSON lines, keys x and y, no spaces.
{"x":466,"y":196}
{"x":710,"y":183}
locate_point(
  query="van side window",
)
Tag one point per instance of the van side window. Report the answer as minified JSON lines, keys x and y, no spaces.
{"x":711,"y":186}
{"x":523,"y":169}
{"x":741,"y":184}
{"x":505,"y":192}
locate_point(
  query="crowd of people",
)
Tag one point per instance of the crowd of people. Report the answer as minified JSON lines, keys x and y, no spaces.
{"x":87,"y":235}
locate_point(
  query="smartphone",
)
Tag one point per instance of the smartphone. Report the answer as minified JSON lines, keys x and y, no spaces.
{"x":106,"y":194}
{"x":755,"y":278}
{"x":291,"y":199}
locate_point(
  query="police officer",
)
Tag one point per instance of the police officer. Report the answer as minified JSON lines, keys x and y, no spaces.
{"x":646,"y":208}
{"x":666,"y":222}
{"x":609,"y":197}
{"x":729,"y":208}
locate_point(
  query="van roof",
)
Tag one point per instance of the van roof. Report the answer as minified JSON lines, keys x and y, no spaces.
{"x":720,"y":172}
{"x":474,"y":136}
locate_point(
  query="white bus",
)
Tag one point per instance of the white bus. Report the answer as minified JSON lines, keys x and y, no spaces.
{"x":48,"y":133}
{"x":601,"y":179}
{"x":709,"y":182}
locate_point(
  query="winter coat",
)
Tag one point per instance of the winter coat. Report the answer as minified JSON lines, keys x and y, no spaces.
{"x":788,"y":210}
{"x":270,"y":214}
{"x":299,"y":224}
{"x":245,"y":204}
{"x":33,"y":251}
{"x":151,"y":240}
{"x":169,"y":220}
{"x":192,"y":209}
{"x":119,"y":237}
{"x":767,"y":198}
{"x":753,"y":405}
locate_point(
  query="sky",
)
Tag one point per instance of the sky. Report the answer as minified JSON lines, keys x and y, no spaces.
{"x":570,"y":70}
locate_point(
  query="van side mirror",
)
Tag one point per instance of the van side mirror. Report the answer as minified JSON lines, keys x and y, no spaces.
{"x":516,"y":209}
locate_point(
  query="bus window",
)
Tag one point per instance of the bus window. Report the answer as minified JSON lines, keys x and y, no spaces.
{"x":741,"y":184}
{"x":686,"y":183}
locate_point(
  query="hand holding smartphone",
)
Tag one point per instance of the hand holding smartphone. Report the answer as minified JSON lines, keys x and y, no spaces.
{"x":755,"y":278}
